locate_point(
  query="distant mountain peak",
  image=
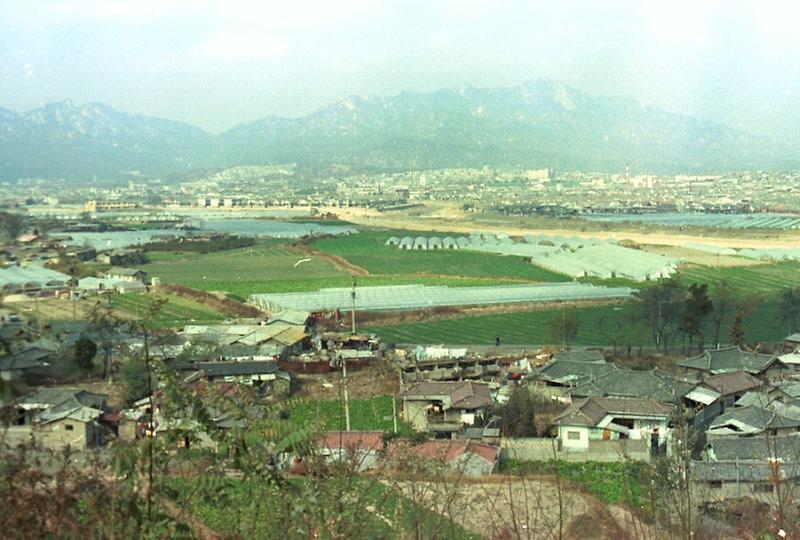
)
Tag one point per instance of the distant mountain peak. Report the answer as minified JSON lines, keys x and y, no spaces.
{"x":541,"y":123}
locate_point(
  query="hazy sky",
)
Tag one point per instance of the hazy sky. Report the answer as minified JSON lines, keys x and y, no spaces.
{"x":215,"y":64}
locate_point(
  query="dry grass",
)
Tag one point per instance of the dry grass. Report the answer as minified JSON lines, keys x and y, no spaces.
{"x":511,"y":507}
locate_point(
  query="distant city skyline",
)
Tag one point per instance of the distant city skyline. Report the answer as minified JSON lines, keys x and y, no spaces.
{"x":217,"y":64}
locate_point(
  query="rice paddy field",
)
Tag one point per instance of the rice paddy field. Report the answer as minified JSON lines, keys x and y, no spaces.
{"x":176,"y":311}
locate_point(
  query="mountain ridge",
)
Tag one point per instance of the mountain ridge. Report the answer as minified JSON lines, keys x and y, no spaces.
{"x":540,"y":123}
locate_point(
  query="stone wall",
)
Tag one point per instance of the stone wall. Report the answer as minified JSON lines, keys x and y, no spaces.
{"x":541,"y":449}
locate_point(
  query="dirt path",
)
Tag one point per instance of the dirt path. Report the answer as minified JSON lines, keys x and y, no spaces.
{"x":339,"y":262}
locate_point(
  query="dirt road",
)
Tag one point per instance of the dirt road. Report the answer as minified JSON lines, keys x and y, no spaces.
{"x":462,"y":224}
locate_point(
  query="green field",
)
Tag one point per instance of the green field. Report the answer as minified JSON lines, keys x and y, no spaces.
{"x":372,"y":414}
{"x":368,"y":250}
{"x":242,"y":271}
{"x":764,"y":279}
{"x":597,"y":325}
{"x":270,"y":267}
{"x":176,"y":311}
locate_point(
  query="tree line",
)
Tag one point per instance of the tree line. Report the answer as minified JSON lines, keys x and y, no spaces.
{"x":690,"y":315}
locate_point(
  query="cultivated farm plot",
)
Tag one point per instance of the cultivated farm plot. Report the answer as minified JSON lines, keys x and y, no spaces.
{"x":597,"y":326}
{"x":243,"y":271}
{"x":273,"y":266}
{"x":703,"y":258}
{"x":176,"y":311}
{"x":368,"y":250}
{"x":374,"y":414}
{"x":54,"y":309}
{"x":764,"y":279}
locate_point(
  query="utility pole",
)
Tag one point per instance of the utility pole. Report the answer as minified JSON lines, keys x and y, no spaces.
{"x":346,"y":401}
{"x":72,"y":291}
{"x":394,"y":415}
{"x":353,"y":309}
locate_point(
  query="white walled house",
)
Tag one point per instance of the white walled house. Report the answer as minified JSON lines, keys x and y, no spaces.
{"x":600,"y":418}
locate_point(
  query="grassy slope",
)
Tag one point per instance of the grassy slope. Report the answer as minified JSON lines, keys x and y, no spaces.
{"x":176,"y":312}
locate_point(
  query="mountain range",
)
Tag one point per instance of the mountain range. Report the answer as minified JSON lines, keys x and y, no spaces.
{"x":538,"y":124}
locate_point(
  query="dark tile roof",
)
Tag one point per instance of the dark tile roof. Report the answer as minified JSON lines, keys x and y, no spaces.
{"x":462,"y":394}
{"x":56,"y":396}
{"x":734,"y":382}
{"x":590,"y":411}
{"x":733,"y":471}
{"x":756,"y":417}
{"x":232,"y":369}
{"x":628,"y":383}
{"x":580,"y":356}
{"x":20,"y":362}
{"x":729,"y":359}
{"x":570,"y":372}
{"x":786,"y":447}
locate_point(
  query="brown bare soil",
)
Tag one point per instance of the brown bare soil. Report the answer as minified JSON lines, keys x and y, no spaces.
{"x":377,"y":380}
{"x":53,"y":309}
{"x":339,"y":262}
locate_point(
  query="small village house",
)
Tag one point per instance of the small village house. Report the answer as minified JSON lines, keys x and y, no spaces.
{"x":598,"y":418}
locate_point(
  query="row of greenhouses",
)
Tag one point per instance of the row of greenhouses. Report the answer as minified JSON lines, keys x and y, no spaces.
{"x":409,"y":297}
{"x":494,"y":243}
{"x":29,"y":278}
{"x":698,"y":219}
{"x":609,"y":261}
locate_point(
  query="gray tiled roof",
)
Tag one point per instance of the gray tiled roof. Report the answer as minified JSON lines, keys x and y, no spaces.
{"x":732,"y":471}
{"x":786,"y":447}
{"x":569,"y":372}
{"x":590,"y":411}
{"x":580,"y":356}
{"x":462,"y":394}
{"x":628,"y":383}
{"x":232,"y":369}
{"x":56,"y":396}
{"x":729,"y":359}
{"x":756,"y":417}
{"x":733,"y":382}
